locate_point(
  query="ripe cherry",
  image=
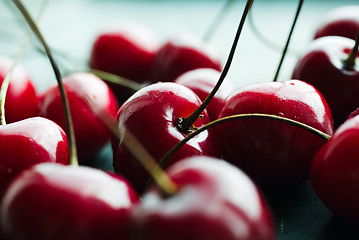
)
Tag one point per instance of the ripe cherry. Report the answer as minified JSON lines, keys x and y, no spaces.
{"x":90,"y":132}
{"x":215,"y":200}
{"x":21,"y":96}
{"x":50,"y":201}
{"x":181,"y":53}
{"x":342,"y":21}
{"x":152,"y":115}
{"x":335,"y":171}
{"x":276,"y":155}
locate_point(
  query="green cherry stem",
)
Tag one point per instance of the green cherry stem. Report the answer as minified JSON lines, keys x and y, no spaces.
{"x":69,"y":124}
{"x":5,"y":84}
{"x":285,"y":49}
{"x":349,"y":63}
{"x":185,"y":124}
{"x":218,"y":20}
{"x":310,"y":129}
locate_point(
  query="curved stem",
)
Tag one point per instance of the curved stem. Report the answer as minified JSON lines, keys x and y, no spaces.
{"x":349,"y":63}
{"x":69,"y":124}
{"x":284,"y":52}
{"x":6,"y":81}
{"x":106,"y":76}
{"x":187,"y":123}
{"x":217,"y":20}
{"x":315,"y":131}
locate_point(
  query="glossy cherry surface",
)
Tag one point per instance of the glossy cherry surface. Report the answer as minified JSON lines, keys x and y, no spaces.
{"x":215,"y":200}
{"x":86,"y":94}
{"x":202,"y":81}
{"x":335,"y":171}
{"x":126,"y":49}
{"x":276,"y":155}
{"x":342,"y":21}
{"x":51,"y":201}
{"x":28,"y":142}
{"x":21,"y":98}
{"x":152,"y":116}
{"x":321,"y":65}
{"x":181,"y":53}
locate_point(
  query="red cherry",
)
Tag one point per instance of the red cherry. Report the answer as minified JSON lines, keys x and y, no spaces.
{"x":126,"y":49}
{"x":181,"y":53}
{"x":152,"y":115}
{"x":215,"y":200}
{"x":21,"y":99}
{"x":275,"y":154}
{"x":28,"y":142}
{"x":51,"y":201}
{"x":335,"y":171}
{"x":322,"y":66}
{"x":342,"y":21}
{"x":90,"y":132}
{"x":202,"y":81}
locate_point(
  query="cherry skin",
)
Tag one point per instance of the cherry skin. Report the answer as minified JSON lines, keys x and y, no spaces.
{"x":90,"y":132}
{"x":276,"y":155}
{"x":335,"y":171}
{"x":181,"y":53}
{"x":126,"y":49}
{"x":21,"y":98}
{"x":215,"y":200}
{"x":202,"y":81}
{"x":29,"y":142}
{"x":152,"y":115}
{"x":51,"y":201}
{"x":321,"y":65}
{"x":342,"y":21}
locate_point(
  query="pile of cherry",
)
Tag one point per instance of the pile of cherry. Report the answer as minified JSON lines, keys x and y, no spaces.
{"x":216,"y":175}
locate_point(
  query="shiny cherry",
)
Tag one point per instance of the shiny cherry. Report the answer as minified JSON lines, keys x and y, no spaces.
{"x":335,"y":171}
{"x":215,"y":200}
{"x":322,"y":65}
{"x":126,"y":49}
{"x":342,"y":21}
{"x":152,"y":115}
{"x":51,"y":201}
{"x":276,"y":155}
{"x":21,"y":97}
{"x":28,"y":142}
{"x":87,"y":94}
{"x":181,"y":53}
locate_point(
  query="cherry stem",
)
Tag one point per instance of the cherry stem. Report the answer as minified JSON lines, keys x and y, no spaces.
{"x":69,"y":124}
{"x":218,"y":20}
{"x":186,"y":124}
{"x":109,"y":77}
{"x":285,"y":49}
{"x":5,"y":84}
{"x":163,"y":181}
{"x":349,"y":63}
{"x":308,"y":128}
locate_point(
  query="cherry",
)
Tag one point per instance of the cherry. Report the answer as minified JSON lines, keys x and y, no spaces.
{"x":91,"y":133}
{"x":21,"y":97}
{"x":152,"y":115}
{"x":126,"y":49}
{"x":50,"y":201}
{"x":276,"y":155}
{"x":202,"y":81}
{"x":342,"y":21}
{"x":28,"y":142}
{"x":335,"y":171}
{"x":215,"y":200}
{"x":324,"y":66}
{"x":181,"y":53}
